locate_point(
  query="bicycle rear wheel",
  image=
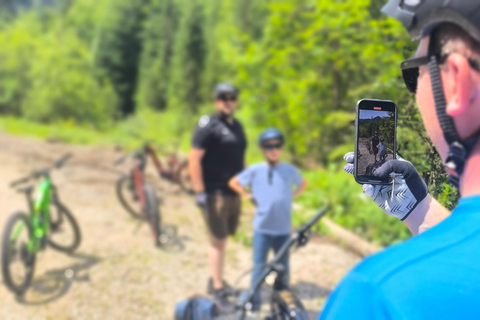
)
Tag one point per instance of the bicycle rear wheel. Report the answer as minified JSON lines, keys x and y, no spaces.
{"x":152,"y":212}
{"x":127,"y":195}
{"x":18,"y":258}
{"x":64,"y":234}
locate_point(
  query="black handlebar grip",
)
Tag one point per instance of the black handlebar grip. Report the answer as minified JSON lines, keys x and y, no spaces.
{"x":60,"y":162}
{"x":120,"y":160}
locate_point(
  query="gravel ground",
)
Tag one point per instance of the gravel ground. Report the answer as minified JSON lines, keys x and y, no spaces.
{"x":117,"y":273}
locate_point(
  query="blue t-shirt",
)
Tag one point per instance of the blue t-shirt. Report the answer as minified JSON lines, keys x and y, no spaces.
{"x":272,"y":188}
{"x":435,"y":275}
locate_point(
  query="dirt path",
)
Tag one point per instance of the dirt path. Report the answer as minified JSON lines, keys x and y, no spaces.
{"x":117,"y":273}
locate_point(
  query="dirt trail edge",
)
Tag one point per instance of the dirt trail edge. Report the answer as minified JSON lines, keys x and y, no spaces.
{"x":117,"y":273}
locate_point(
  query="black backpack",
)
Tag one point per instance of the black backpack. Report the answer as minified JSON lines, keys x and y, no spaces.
{"x":196,"y":308}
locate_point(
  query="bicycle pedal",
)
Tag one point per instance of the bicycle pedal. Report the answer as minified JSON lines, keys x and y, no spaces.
{"x":163,"y":239}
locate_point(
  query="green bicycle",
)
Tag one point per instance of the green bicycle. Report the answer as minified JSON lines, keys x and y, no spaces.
{"x":25,"y":235}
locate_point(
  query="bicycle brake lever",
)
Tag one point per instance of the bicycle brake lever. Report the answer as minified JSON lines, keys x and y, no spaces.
{"x":120,"y":160}
{"x":304,"y":238}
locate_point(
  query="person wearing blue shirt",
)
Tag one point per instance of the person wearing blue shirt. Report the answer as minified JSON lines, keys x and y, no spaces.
{"x":436,"y":274}
{"x":273,"y":185}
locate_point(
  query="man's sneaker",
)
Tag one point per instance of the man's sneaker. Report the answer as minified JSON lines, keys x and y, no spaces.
{"x":229,"y":290}
{"x":221,"y":299}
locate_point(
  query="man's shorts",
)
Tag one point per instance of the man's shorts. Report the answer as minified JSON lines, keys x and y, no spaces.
{"x":375,"y":150}
{"x":222,"y":215}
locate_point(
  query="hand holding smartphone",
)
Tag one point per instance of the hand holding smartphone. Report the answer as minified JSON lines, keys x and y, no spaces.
{"x":375,"y":139}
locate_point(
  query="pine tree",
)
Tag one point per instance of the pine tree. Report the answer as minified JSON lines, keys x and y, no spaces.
{"x":158,"y":41}
{"x":120,"y":49}
{"x":185,"y":89}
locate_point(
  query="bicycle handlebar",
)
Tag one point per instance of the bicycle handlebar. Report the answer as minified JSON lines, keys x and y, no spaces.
{"x":312,"y":221}
{"x":20,"y":181}
{"x":42,"y":172}
{"x":122,"y":158}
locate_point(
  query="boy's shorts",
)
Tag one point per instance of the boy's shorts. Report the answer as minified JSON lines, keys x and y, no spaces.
{"x":222,"y":215}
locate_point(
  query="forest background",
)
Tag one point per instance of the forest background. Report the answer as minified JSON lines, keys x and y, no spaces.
{"x":96,"y":71}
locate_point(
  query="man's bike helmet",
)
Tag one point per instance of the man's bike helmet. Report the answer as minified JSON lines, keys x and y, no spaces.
{"x":224,"y":88}
{"x":421,"y":18}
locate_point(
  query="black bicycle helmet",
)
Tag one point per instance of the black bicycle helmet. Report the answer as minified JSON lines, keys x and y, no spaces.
{"x":421,"y":18}
{"x":224,"y":88}
{"x":269,"y":134}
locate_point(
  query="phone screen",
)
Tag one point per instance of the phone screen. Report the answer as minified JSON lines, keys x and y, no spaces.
{"x":376,"y":142}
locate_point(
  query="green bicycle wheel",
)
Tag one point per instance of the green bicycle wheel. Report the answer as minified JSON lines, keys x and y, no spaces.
{"x":18,"y":260}
{"x":64,"y":234}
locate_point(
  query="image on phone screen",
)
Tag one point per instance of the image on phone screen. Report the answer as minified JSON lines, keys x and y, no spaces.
{"x":376,"y":140}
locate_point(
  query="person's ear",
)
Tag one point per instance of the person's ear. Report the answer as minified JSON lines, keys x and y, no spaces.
{"x":461,"y":83}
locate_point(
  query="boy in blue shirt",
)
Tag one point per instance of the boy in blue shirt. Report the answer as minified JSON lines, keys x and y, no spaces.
{"x":273,"y":185}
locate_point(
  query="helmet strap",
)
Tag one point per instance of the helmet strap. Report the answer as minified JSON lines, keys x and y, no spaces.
{"x":459,"y":151}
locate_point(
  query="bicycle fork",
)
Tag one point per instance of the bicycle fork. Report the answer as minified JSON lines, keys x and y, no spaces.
{"x":139,"y":187}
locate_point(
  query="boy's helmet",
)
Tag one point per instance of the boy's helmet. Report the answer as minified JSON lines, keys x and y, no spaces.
{"x":269,"y":134}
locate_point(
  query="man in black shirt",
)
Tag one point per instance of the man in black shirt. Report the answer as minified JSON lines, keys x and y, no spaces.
{"x":218,"y":154}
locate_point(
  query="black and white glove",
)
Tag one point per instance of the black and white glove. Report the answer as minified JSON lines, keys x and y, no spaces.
{"x":401,"y":197}
{"x":201,"y":200}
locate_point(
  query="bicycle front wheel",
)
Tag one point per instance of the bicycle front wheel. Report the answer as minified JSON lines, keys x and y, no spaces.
{"x":18,"y":255}
{"x":64,"y":234}
{"x":127,"y":195}
{"x":152,"y":212}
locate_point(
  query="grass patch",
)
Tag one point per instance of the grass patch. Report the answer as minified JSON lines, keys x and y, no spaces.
{"x":158,"y":128}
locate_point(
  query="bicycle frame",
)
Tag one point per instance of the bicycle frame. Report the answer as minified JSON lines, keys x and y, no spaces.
{"x":39,"y":214}
{"x":162,"y":171}
{"x":138,"y":180}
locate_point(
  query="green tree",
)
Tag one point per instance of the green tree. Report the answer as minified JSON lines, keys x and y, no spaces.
{"x":185,"y":90}
{"x":310,"y":68}
{"x":120,"y":49}
{"x":158,"y":41}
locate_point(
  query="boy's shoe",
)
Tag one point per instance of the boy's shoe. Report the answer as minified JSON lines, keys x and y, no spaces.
{"x":221,"y":299}
{"x":228,"y":288}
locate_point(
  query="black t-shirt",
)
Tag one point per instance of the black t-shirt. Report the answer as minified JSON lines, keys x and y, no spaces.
{"x":375,"y":141}
{"x":224,"y":146}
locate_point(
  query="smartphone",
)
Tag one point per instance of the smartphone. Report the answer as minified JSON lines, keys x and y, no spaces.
{"x":375,"y":139}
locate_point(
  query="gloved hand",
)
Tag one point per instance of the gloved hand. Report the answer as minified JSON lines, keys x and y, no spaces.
{"x":401,"y":197}
{"x":201,"y":200}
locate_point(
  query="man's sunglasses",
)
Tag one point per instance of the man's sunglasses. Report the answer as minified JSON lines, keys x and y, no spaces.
{"x":411,"y":69}
{"x":272,"y":146}
{"x":228,"y":98}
